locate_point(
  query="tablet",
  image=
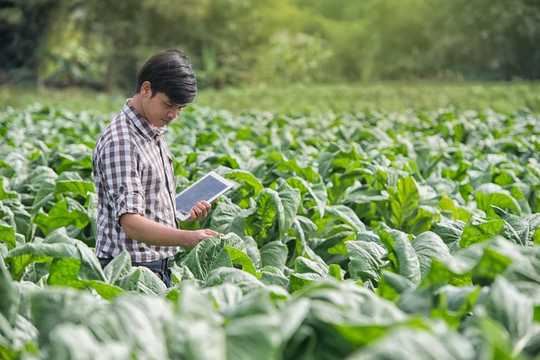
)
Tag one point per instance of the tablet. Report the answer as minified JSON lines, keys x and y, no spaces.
{"x":207,"y":188}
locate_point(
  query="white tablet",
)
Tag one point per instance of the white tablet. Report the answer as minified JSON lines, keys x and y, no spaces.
{"x":207,"y":188}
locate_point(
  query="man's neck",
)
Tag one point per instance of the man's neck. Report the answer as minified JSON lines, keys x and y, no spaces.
{"x":136,"y":103}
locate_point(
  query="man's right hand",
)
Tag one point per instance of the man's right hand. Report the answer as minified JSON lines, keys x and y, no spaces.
{"x":196,"y":236}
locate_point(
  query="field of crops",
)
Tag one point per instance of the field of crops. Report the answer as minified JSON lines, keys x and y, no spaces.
{"x":363,"y":236}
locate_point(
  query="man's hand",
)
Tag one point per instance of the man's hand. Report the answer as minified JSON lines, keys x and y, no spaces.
{"x":199,"y":211}
{"x":196,"y":236}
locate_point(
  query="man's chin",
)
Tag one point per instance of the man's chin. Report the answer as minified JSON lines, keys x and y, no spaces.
{"x":162,"y":123}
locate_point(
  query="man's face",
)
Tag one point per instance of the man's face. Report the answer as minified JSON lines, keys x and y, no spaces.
{"x":159,"y":110}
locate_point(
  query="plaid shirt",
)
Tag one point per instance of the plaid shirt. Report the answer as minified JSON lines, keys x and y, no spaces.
{"x":133,"y":173}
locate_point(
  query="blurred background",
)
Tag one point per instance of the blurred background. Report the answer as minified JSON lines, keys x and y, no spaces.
{"x":98,"y":45}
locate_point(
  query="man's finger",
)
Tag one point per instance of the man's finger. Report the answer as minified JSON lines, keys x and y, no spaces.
{"x":203,"y":208}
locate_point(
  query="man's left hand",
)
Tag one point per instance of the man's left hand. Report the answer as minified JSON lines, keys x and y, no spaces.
{"x":199,"y":211}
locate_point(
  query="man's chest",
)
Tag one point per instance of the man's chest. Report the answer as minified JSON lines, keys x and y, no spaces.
{"x":156,"y":168}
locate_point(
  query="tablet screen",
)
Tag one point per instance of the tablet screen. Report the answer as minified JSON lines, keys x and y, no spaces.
{"x":208,"y":188}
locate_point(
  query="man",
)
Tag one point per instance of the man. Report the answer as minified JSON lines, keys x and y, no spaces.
{"x":134,"y":175}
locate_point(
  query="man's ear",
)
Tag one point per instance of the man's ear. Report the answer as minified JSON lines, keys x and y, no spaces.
{"x":146,"y":89}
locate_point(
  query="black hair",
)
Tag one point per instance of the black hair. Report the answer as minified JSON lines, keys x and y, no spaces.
{"x":169,"y":72}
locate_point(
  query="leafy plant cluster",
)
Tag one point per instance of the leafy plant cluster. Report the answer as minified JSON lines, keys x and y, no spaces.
{"x":359,"y":236}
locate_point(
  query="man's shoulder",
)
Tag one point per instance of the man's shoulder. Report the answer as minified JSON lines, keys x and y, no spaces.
{"x":118,"y":129}
{"x":118,"y":125}
{"x":118,"y":132}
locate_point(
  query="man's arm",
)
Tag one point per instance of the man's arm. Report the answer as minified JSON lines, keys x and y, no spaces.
{"x":153,"y":233}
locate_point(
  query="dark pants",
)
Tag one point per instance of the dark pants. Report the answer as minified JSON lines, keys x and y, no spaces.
{"x":159,"y":267}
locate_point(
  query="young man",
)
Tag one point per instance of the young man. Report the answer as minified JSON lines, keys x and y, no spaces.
{"x":134,"y":175}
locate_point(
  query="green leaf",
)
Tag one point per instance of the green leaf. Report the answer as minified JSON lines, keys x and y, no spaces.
{"x":317,"y":192}
{"x":298,"y":281}
{"x":348,"y":216}
{"x":72,"y":183}
{"x":491,"y":264}
{"x":247,"y":179}
{"x":9,"y":301}
{"x":274,"y":254}
{"x":65,"y":212}
{"x":335,"y":271}
{"x":519,"y":229}
{"x":489,"y":195}
{"x":304,"y":265}
{"x":399,"y":245}
{"x":7,"y":235}
{"x":423,"y":220}
{"x":239,"y":257}
{"x":510,"y":308}
{"x":404,"y":201}
{"x":475,"y":233}
{"x":56,"y":246}
{"x":428,"y":246}
{"x":249,"y":187}
{"x":392,"y":285}
{"x":119,"y":267}
{"x":228,"y":217}
{"x":271,"y":275}
{"x":410,"y":343}
{"x":290,"y":198}
{"x":458,"y":212}
{"x":244,"y":280}
{"x":6,"y":194}
{"x":365,"y":259}
{"x":449,"y":230}
{"x":264,"y":224}
{"x":265,"y":334}
{"x":144,"y":280}
{"x":206,"y":256}
{"x":65,"y":272}
{"x":68,"y":341}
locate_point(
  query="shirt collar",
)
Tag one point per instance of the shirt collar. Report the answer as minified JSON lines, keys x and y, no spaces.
{"x":141,"y":123}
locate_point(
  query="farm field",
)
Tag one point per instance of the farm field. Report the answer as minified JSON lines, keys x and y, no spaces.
{"x":310,"y":99}
{"x":359,"y":235}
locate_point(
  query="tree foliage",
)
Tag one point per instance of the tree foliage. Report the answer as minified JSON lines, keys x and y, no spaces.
{"x":101,"y":43}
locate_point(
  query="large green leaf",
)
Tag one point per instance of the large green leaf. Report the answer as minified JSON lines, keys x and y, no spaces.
{"x":65,"y":212}
{"x":212,"y":253}
{"x":65,"y":272}
{"x":489,"y":195}
{"x":10,"y":299}
{"x":264,"y":334}
{"x":118,"y":267}
{"x":417,"y":344}
{"x":348,"y":216}
{"x":403,"y":254}
{"x":479,"y":232}
{"x":274,"y":254}
{"x":274,"y":215}
{"x":365,"y":259}
{"x":72,"y":183}
{"x":317,"y":192}
{"x":429,"y":245}
{"x":510,"y":308}
{"x":404,"y":201}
